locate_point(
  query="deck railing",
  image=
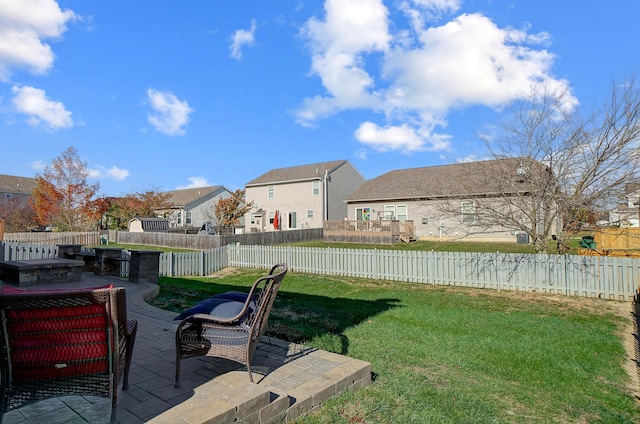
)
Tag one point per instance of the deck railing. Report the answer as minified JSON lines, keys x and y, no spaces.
{"x":379,"y":231}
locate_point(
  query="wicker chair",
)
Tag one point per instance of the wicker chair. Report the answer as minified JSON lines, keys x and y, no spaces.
{"x":233,"y":338}
{"x":64,"y":342}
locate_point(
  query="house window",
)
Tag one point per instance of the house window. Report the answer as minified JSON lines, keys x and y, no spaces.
{"x":401,"y":212}
{"x":253,"y":218}
{"x":188,"y":218}
{"x":271,"y":217}
{"x":468,"y":210}
{"x":310,"y":213}
{"x":7,"y":196}
{"x":292,"y":220}
{"x":389,"y":212}
{"x":179,"y":218}
{"x":270,"y":192}
{"x":316,"y":188}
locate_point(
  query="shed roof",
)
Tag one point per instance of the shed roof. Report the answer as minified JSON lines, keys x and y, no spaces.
{"x":488,"y":178}
{"x":152,"y":223}
{"x":17,"y":185}
{"x":297,"y":173}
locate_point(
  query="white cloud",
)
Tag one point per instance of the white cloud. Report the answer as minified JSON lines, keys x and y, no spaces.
{"x":403,"y":138}
{"x":118,"y":174}
{"x":388,"y":138}
{"x":471,"y":158}
{"x":420,"y":11}
{"x":337,"y":44}
{"x":24,"y":25}
{"x":113,"y":173}
{"x":242,"y":38}
{"x":195,"y":182}
{"x":465,"y":62}
{"x":169,"y":115}
{"x":41,"y":111}
{"x":418,"y":76}
{"x":38,"y":165}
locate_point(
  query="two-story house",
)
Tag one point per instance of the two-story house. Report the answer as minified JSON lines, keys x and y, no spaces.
{"x":300,"y":197}
{"x":16,"y":188}
{"x":627,"y":214}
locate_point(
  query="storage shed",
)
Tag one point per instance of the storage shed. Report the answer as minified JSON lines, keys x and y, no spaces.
{"x":149,"y":225}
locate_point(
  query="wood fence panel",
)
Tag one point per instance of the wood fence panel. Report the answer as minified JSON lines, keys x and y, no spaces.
{"x":89,"y":238}
{"x":618,"y":238}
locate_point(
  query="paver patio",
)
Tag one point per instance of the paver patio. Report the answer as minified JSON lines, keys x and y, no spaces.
{"x":290,"y":379}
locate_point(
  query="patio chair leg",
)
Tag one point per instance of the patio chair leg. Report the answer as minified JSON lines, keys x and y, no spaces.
{"x":177,"y":383}
{"x":249,"y":370}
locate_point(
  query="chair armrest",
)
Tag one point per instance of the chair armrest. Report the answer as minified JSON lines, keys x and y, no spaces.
{"x":219,"y":320}
{"x":132,"y":327}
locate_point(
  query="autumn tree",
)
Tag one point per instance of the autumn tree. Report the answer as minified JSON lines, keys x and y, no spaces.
{"x":229,"y":210}
{"x":146,"y":204}
{"x":590,"y":159}
{"x":18,"y":214}
{"x":63,"y":198}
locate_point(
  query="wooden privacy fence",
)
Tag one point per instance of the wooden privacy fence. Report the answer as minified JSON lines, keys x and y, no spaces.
{"x":618,"y":238}
{"x":88,"y":238}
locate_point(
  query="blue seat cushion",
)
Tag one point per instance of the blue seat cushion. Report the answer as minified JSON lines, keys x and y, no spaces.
{"x":225,"y":305}
{"x":233,"y":295}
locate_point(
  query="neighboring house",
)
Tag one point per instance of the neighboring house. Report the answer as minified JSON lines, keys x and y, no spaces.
{"x":300,"y":197}
{"x":442,"y":201}
{"x":149,"y":225}
{"x":193,"y":207}
{"x":627,"y":214}
{"x":12,"y":187}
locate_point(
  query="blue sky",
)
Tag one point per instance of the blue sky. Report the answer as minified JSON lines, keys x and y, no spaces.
{"x":175,"y":94}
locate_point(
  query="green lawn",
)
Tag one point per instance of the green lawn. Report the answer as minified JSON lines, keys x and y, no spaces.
{"x":450,"y":355}
{"x":446,"y":246}
{"x":438,"y":246}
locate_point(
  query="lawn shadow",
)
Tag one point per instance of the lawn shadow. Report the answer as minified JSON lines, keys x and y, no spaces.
{"x":298,"y":317}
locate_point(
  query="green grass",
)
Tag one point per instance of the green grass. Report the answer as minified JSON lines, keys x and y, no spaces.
{"x":449,"y":355}
{"x":445,"y":246}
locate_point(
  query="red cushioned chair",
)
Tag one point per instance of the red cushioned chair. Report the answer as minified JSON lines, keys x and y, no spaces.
{"x":64,"y":342}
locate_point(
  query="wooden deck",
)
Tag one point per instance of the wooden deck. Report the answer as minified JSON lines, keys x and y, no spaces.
{"x":376,"y":231}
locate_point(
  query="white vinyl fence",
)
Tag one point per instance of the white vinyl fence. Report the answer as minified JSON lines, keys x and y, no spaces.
{"x":589,"y":276}
{"x":200,"y":263}
{"x":23,"y":251}
{"x":611,"y":278}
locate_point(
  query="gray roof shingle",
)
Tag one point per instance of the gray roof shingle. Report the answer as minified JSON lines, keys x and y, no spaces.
{"x":180,"y":198}
{"x":16,"y":185}
{"x":297,"y":173}
{"x":455,"y":180}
